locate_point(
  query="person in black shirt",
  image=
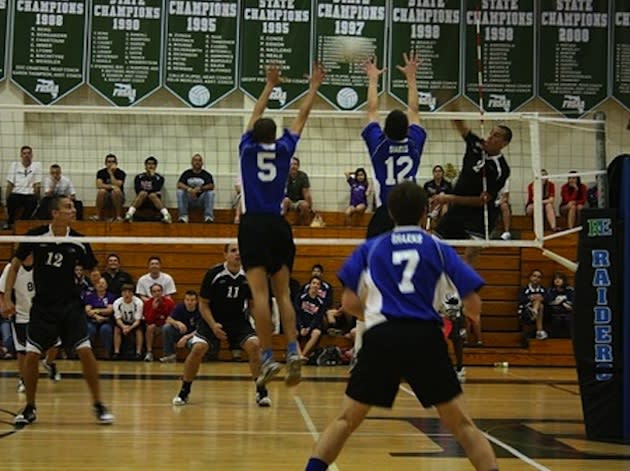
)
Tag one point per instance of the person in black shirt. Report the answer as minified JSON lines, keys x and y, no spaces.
{"x":223,"y":301}
{"x":436,"y":186}
{"x":57,"y":310}
{"x":195,"y":187}
{"x":116,"y":277}
{"x":148,"y":186}
{"x":110,"y":186}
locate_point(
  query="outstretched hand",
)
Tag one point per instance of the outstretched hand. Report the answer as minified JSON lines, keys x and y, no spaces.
{"x":318,"y":75}
{"x":412,"y":62}
{"x":371,"y":69}
{"x":274,"y":75}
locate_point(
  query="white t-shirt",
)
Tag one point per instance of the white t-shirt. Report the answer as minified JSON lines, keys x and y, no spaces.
{"x":164,"y":279}
{"x":24,"y":290}
{"x":64,"y":186}
{"x":23,"y":178}
{"x":128,"y":312}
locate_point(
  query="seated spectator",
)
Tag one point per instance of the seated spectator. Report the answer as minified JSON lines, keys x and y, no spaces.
{"x":83,"y":283}
{"x":116,"y":277}
{"x":310,"y":317}
{"x":359,"y":192}
{"x":180,"y":326}
{"x":57,"y":184}
{"x":195,"y":188}
{"x":155,"y":275}
{"x":325,"y":290}
{"x":559,"y":305}
{"x":298,"y":196}
{"x":24,"y":180}
{"x":503,"y":203}
{"x":148,"y":186}
{"x":548,"y":200}
{"x":99,"y":307}
{"x":531,"y":304}
{"x":110,"y":189}
{"x":155,"y":310}
{"x":574,"y":194}
{"x":439,"y":185}
{"x":128,"y":317}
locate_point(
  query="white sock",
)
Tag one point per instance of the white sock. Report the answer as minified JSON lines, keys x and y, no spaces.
{"x":131,"y":211}
{"x":164,"y":211}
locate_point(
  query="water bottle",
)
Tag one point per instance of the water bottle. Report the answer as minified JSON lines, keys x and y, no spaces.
{"x":502,"y":365}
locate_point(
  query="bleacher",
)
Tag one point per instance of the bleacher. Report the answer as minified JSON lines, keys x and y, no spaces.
{"x":504,"y":269}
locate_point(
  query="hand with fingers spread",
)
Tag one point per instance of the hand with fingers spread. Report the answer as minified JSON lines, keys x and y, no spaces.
{"x":372,"y":70}
{"x":274,"y":75}
{"x":318,"y":75}
{"x":412,"y":62}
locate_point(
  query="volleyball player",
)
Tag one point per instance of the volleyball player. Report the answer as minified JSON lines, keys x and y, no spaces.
{"x":264,"y":236}
{"x":392,"y":281}
{"x":223,"y":301}
{"x":57,"y":309}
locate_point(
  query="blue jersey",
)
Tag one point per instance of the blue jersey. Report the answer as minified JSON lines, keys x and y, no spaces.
{"x":264,"y":170}
{"x":393,"y":161}
{"x":403,"y":274}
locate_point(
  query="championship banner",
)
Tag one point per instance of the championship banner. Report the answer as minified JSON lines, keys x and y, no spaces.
{"x":432,"y":33}
{"x":621,"y":52}
{"x":125,"y":49}
{"x":507,"y":38}
{"x":4,"y":31}
{"x":48,"y":48}
{"x":347,"y":33}
{"x":275,"y":32}
{"x":573,"y":55}
{"x":598,"y":323}
{"x":201,"y":50}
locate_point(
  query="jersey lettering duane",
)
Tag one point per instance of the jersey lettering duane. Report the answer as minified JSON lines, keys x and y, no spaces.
{"x":402,"y":275}
{"x":393,"y":161}
{"x":264,"y":171}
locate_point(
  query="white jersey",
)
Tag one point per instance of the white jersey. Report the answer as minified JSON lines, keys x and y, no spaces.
{"x":164,"y":280}
{"x":24,"y":290}
{"x":128,"y":312}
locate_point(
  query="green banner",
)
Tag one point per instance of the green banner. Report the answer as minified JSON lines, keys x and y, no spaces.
{"x":347,"y":32}
{"x":200,"y":63}
{"x":125,"y":49}
{"x":506,"y":35}
{"x":433,"y":32}
{"x":48,"y":48}
{"x":4,"y":31}
{"x":275,"y":32}
{"x":621,"y":52}
{"x":573,"y":58}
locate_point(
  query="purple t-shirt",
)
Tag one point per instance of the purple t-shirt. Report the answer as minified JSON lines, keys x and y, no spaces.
{"x":358,"y":192}
{"x":98,"y":302}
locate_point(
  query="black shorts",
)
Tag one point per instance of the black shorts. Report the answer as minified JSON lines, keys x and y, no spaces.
{"x":49,"y":323}
{"x":265,"y":240}
{"x":19,"y":335}
{"x":462,"y":222}
{"x":380,"y":223}
{"x":397,"y":350}
{"x":237,"y":332}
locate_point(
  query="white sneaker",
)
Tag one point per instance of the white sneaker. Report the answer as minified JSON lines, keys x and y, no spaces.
{"x":169,"y":358}
{"x":294,"y":370}
{"x":166,"y":218}
{"x":148,"y":357}
{"x":103,"y":416}
{"x":208,"y":220}
{"x":21,"y":388}
{"x":128,"y":217}
{"x":461,"y":375}
{"x":179,"y":401}
{"x":183,"y":219}
{"x":263,"y":399}
{"x":541,"y":335}
{"x":268,"y":370}
{"x":506,"y":236}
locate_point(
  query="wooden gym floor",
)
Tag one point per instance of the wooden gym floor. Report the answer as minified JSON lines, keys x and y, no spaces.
{"x":533,"y":417}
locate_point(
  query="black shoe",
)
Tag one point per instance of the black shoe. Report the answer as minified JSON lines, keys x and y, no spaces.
{"x":27,"y":416}
{"x":116,"y":357}
{"x":102,"y":414}
{"x":51,"y":370}
{"x":262,"y":397}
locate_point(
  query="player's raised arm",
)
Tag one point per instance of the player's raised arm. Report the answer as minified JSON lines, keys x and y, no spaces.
{"x":373,"y":74}
{"x":412,"y":62}
{"x":316,"y":79}
{"x":274,"y":78}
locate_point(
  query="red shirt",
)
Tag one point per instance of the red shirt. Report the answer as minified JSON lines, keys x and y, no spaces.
{"x":157,"y":314}
{"x":579,"y":196}
{"x":548,"y":190}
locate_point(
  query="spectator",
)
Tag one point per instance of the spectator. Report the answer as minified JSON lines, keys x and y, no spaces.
{"x":82,"y":281}
{"x":574,"y":194}
{"x":128,"y":318}
{"x":237,"y":202}
{"x":325,"y":290}
{"x":531,"y":304}
{"x":99,"y":309}
{"x":180,"y":326}
{"x":24,"y":180}
{"x":439,"y":185}
{"x":548,"y":200}
{"x":110,"y":189}
{"x":116,"y":277}
{"x":503,"y":203}
{"x":359,"y":192}
{"x":195,"y":188}
{"x":57,"y":184}
{"x":155,"y":275}
{"x":298,"y":196}
{"x":155,"y":310}
{"x":559,"y":302}
{"x":148,"y":186}
{"x":310,"y":316}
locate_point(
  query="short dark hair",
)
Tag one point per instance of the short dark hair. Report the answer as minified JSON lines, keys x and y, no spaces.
{"x":111,"y":156}
{"x":191,"y":292}
{"x":112,"y":255}
{"x":396,"y":125}
{"x":407,"y":203}
{"x":55,"y":166}
{"x":507,"y":132}
{"x":226,"y":247}
{"x":436,"y":167}
{"x":150,"y":159}
{"x":318,"y":265}
{"x":154,"y":257}
{"x":55,"y":202}
{"x":264,"y":130}
{"x":26,"y":147}
{"x":315,"y":278}
{"x":127,"y":287}
{"x":296,"y":159}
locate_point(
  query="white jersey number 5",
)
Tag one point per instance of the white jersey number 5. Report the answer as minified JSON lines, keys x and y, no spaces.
{"x":266,"y":166}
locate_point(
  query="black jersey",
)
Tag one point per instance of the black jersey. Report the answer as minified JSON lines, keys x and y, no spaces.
{"x":227,"y":293}
{"x":53,"y":272}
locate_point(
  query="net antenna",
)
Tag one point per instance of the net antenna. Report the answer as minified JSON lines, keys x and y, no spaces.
{"x":484,"y":178}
